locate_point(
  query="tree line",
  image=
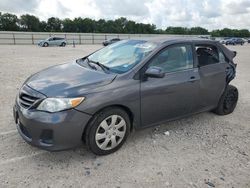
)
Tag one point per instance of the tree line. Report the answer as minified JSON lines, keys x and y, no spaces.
{"x":27,"y":22}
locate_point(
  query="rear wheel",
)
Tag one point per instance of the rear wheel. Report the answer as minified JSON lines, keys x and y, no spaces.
{"x":63,"y":44}
{"x":108,"y":130}
{"x":228,"y":101}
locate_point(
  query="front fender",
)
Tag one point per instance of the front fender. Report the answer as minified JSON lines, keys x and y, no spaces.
{"x":127,"y":95}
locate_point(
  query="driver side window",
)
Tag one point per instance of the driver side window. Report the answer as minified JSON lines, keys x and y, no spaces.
{"x":174,"y":58}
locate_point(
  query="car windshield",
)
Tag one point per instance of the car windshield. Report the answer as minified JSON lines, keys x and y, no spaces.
{"x":120,"y":57}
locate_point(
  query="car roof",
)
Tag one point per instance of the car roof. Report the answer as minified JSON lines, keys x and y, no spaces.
{"x":164,"y":40}
{"x":173,"y":40}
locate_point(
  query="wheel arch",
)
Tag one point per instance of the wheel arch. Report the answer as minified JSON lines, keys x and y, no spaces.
{"x":45,"y":43}
{"x":123,"y":107}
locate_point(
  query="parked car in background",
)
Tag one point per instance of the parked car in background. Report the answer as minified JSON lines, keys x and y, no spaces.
{"x":111,"y":41}
{"x":223,"y":41}
{"x":100,"y":98}
{"x":245,"y":40}
{"x":234,"y":41}
{"x":53,"y":41}
{"x":204,"y":37}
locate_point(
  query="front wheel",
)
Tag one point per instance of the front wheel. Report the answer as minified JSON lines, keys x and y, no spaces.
{"x":45,"y":44}
{"x":228,"y":101}
{"x":107,"y":131}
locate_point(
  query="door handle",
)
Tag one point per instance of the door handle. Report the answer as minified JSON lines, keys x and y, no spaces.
{"x":192,"y":79}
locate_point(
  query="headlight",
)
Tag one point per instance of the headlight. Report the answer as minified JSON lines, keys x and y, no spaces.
{"x":59,"y":104}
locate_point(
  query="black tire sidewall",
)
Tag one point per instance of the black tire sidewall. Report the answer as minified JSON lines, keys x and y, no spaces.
{"x":220,"y":108}
{"x":45,"y":44}
{"x":93,"y":125}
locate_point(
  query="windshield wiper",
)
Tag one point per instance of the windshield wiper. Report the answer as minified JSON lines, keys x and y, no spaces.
{"x":103,"y":67}
{"x":88,"y":62}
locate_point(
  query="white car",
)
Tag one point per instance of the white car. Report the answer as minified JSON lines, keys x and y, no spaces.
{"x":53,"y":41}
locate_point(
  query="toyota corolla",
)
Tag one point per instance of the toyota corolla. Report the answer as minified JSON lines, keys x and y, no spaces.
{"x":128,"y":85}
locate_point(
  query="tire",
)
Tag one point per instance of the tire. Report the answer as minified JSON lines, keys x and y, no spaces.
{"x":228,"y":101}
{"x":103,"y":130}
{"x":45,"y":44}
{"x":63,"y":44}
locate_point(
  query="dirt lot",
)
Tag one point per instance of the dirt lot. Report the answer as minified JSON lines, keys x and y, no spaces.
{"x":204,"y":150}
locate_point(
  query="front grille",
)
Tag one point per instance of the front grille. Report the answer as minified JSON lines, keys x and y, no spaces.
{"x":27,"y":100}
{"x":28,"y":97}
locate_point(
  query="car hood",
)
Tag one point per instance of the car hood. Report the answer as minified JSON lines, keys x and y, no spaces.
{"x":68,"y":80}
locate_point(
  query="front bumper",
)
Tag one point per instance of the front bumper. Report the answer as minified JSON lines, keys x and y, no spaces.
{"x":50,"y":131}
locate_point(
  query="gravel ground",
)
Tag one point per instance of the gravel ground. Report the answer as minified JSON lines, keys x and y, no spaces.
{"x":204,"y":150}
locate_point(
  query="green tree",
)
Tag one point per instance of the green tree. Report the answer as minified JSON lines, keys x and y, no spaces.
{"x":29,"y":23}
{"x":89,"y":25}
{"x":69,"y":25}
{"x":111,"y":28}
{"x":120,"y":24}
{"x":160,"y":31}
{"x":43,"y":26}
{"x":130,"y":27}
{"x":226,"y":32}
{"x":198,"y":31}
{"x":244,"y":33}
{"x":215,"y":33}
{"x":177,"y":30}
{"x":101,"y":26}
{"x":9,"y":22}
{"x":54,"y":24}
{"x":80,"y":25}
{"x":1,"y":26}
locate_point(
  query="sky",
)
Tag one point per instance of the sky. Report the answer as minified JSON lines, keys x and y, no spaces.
{"x":210,"y":14}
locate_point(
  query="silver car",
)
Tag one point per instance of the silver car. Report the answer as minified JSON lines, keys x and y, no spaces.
{"x":53,"y":41}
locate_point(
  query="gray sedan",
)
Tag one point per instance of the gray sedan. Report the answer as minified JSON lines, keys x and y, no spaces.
{"x":128,"y":85}
{"x":53,"y":41}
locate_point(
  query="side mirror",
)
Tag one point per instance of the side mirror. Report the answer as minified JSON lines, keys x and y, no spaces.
{"x":155,"y":72}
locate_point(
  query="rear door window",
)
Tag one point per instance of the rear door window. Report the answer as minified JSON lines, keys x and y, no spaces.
{"x":207,"y":55}
{"x":222,"y":57}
